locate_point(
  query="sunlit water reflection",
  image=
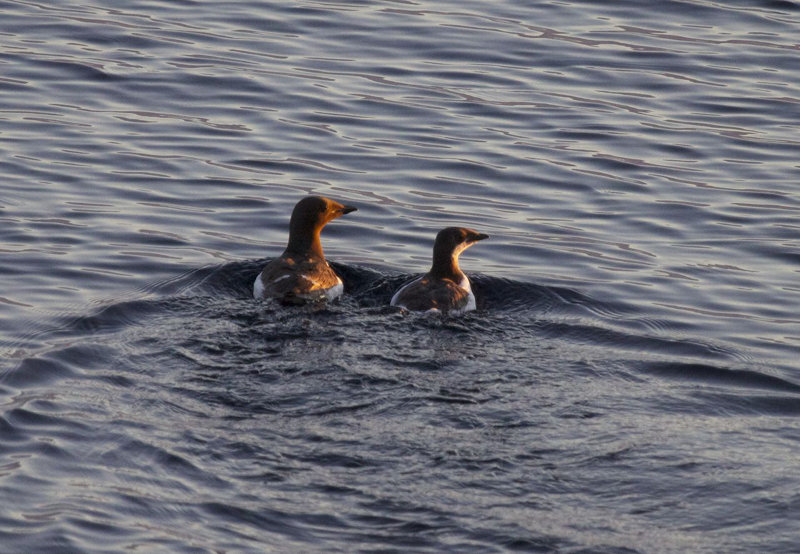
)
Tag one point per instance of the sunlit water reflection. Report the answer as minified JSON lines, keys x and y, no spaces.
{"x":629,"y":383}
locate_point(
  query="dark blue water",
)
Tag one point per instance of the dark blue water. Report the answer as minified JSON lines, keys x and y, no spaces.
{"x":630,"y":382}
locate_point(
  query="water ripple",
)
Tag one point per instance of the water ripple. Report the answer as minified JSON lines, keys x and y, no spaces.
{"x":634,"y":353}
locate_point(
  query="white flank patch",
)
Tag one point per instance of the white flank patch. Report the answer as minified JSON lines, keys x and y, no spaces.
{"x":393,"y":301}
{"x":258,"y":285}
{"x":258,"y":288}
{"x":335,"y":291}
{"x":314,"y":292}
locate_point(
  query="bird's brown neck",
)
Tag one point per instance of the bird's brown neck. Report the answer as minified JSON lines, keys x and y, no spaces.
{"x":445,"y":267}
{"x":303,"y":242}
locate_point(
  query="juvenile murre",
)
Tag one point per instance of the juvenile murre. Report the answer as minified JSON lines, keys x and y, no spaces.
{"x":301,"y":274}
{"x":444,"y":288}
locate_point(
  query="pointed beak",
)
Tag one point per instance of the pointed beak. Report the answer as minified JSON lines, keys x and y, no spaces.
{"x":338,"y":210}
{"x":479,"y":236}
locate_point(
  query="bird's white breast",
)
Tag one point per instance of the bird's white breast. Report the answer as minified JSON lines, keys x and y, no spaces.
{"x":471,"y":303}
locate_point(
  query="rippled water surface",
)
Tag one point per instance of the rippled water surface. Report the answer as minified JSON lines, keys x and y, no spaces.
{"x":629,"y":383}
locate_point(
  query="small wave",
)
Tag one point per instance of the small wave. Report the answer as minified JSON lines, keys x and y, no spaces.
{"x":37,"y":371}
{"x":696,"y":372}
{"x":749,"y":404}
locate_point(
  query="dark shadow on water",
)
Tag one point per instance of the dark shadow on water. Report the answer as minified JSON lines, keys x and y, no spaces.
{"x":207,"y":319}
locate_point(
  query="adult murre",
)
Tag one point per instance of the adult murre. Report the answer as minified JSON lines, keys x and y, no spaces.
{"x":445,"y":287}
{"x":301,"y":274}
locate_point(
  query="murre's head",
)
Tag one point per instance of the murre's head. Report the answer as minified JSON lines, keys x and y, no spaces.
{"x":313,"y":212}
{"x":450,"y":242}
{"x":309,"y":217}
